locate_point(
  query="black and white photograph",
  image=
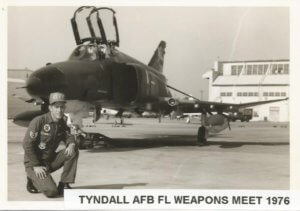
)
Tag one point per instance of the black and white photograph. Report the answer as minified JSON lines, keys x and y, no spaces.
{"x":116,"y":96}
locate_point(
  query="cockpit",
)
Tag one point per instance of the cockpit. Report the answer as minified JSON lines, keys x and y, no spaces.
{"x":89,"y":52}
{"x":95,"y":31}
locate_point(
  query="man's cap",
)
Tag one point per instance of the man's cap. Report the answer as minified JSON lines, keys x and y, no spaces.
{"x":56,"y":97}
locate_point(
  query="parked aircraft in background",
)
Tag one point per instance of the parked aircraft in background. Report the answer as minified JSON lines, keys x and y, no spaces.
{"x":97,"y":75}
{"x":150,"y":114}
{"x":107,"y":113}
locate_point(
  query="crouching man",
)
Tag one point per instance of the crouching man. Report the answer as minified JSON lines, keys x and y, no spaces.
{"x":40,"y":143}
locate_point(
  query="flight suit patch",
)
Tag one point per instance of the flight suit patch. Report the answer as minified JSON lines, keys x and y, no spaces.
{"x":33,"y":134}
{"x":47,"y":128}
{"x":42,"y":145}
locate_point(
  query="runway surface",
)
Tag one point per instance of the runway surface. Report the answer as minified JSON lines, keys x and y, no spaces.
{"x":147,"y":154}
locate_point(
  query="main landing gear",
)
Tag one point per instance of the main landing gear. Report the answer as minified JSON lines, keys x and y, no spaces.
{"x":202,"y":131}
{"x":202,"y":136}
{"x":89,"y":140}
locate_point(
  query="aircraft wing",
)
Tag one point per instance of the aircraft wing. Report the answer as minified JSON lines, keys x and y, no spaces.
{"x":26,"y":99}
{"x":16,"y":80}
{"x":192,"y":106}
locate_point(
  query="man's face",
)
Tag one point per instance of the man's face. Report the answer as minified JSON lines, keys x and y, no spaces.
{"x":57,"y":110}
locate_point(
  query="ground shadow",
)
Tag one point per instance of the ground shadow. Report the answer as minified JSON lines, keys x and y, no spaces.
{"x":130,"y":144}
{"x":231,"y":144}
{"x":110,"y":186}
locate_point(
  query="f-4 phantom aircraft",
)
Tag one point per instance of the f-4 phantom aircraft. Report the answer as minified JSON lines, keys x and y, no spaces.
{"x":98,"y":75}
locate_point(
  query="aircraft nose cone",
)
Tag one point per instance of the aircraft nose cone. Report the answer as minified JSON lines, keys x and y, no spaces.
{"x":34,"y":85}
{"x":44,"y":81}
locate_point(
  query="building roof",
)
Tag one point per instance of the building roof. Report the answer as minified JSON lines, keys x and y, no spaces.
{"x":244,"y":80}
{"x":251,"y":61}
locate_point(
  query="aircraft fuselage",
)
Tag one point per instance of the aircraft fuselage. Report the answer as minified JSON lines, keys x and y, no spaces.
{"x":116,"y":81}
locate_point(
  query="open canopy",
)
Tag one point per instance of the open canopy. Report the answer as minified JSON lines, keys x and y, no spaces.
{"x":95,"y":25}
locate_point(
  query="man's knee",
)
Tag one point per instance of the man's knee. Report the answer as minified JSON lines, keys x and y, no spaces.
{"x":75,"y":154}
{"x":51,"y":192}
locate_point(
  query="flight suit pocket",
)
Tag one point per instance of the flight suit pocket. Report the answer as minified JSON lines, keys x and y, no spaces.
{"x":44,"y":139}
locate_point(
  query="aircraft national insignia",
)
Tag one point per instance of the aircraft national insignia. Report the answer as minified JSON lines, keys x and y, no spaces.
{"x":47,"y":128}
{"x":33,"y":134}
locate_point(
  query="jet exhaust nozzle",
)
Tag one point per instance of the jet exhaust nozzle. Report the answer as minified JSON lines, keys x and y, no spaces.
{"x":172,"y":102}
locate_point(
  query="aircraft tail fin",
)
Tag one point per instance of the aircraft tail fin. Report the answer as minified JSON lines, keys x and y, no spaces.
{"x":157,"y":60}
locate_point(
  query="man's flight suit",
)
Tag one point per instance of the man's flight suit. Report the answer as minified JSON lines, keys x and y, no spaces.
{"x":40,"y":143}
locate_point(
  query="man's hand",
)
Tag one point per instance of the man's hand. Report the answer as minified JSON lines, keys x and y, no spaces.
{"x":40,"y":171}
{"x":70,"y":149}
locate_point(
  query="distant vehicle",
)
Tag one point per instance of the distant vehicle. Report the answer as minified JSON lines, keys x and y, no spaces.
{"x":244,"y":115}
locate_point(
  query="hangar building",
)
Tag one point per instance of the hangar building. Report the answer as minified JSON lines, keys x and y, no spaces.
{"x":248,"y":81}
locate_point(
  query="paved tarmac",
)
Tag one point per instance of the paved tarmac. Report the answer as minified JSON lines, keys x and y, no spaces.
{"x":147,"y":154}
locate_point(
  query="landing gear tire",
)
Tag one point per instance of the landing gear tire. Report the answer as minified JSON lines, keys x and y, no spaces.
{"x":201,"y":141}
{"x":80,"y":141}
{"x":84,"y":143}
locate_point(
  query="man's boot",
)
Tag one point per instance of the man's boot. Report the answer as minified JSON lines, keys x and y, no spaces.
{"x":30,"y":187}
{"x":61,"y":186}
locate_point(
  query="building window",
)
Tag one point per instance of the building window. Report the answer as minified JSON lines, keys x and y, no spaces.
{"x":260,"y":69}
{"x":239,"y":94}
{"x":265,"y":94}
{"x":250,"y":94}
{"x":255,"y":94}
{"x":245,"y":94}
{"x":271,"y":94}
{"x":283,"y":94}
{"x":277,"y":94}
{"x":223,"y":94}
{"x":286,"y":69}
{"x":255,"y":69}
{"x":229,"y":94}
{"x":266,"y":66}
{"x":240,"y":68}
{"x":280,"y":69}
{"x":249,"y":69}
{"x":274,"y":69}
{"x":233,"y":70}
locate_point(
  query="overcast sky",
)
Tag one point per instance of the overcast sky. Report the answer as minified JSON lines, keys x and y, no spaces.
{"x":196,"y":37}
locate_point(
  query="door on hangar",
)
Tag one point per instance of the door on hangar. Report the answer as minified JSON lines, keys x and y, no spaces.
{"x":274,"y":114}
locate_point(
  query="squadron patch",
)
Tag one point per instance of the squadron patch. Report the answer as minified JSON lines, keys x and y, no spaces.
{"x":33,"y":134}
{"x":47,"y":128}
{"x":42,"y":145}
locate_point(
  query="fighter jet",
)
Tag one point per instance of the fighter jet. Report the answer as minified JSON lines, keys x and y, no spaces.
{"x":97,"y":75}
